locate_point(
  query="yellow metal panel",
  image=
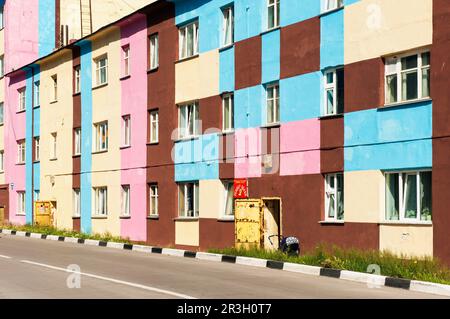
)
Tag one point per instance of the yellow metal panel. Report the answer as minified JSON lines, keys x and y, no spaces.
{"x":248,"y":223}
{"x":43,"y":213}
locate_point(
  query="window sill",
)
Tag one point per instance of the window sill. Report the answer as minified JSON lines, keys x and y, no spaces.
{"x":270,"y":30}
{"x":331,"y":222}
{"x":20,"y":111}
{"x":20,"y":164}
{"x":154,"y":217}
{"x":324,"y":13}
{"x":100,"y":217}
{"x":125,"y":77}
{"x":1,"y":124}
{"x":153,"y":143}
{"x":406,"y":223}
{"x":2,"y":172}
{"x":76,"y":217}
{"x":228,"y":132}
{"x":54,"y":102}
{"x":37,"y":106}
{"x":195,"y":56}
{"x":21,"y":214}
{"x":391,"y":105}
{"x":226,"y":47}
{"x":53,"y":159}
{"x":36,"y":161}
{"x":271,"y":125}
{"x":186,"y":219}
{"x":152,"y":70}
{"x":226,"y":219}
{"x":99,"y":86}
{"x":99,"y":152}
{"x":124,"y":147}
{"x":331,"y":116}
{"x":76,"y":155}
{"x":76,"y":94}
{"x":190,"y":138}
{"x":124,"y":217}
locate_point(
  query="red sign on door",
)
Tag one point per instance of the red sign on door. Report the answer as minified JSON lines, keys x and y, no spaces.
{"x":240,"y":189}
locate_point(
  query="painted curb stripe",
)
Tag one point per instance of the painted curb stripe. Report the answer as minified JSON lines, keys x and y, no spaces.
{"x":329,"y":272}
{"x":103,"y":243}
{"x":27,"y":234}
{"x":229,"y":259}
{"x":190,"y":254}
{"x":80,"y":240}
{"x":156,"y":250}
{"x":13,"y":232}
{"x":275,"y":264}
{"x":397,"y":283}
{"x":61,"y":238}
{"x":43,"y":236}
{"x":128,"y":246}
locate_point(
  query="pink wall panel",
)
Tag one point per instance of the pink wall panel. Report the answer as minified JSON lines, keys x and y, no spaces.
{"x":248,"y":153}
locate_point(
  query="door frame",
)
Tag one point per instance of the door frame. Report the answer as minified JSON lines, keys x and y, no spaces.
{"x":280,"y":223}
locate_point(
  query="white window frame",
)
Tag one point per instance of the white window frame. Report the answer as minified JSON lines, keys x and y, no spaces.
{"x":153,"y":197}
{"x":228,"y":186}
{"x":328,"y":87}
{"x":227,"y":25}
{"x":2,"y":113}
{"x":126,"y":130}
{"x":333,"y":191}
{"x":21,"y":203}
{"x":125,"y":201}
{"x":183,"y":40}
{"x":154,"y":120}
{"x":99,"y":69}
{"x":330,"y":5}
{"x":395,"y":63}
{"x":37,"y":93}
{"x":2,"y":17}
{"x":402,"y":194}
{"x":276,"y":103}
{"x":183,"y":187}
{"x":192,"y":114}
{"x":77,"y":75}
{"x":126,"y":60}
{"x":37,"y":149}
{"x":21,"y":151}
{"x":54,"y":147}
{"x":154,"y":51}
{"x":228,"y":101}
{"x":275,"y":6}
{"x":100,"y":209}
{"x":77,"y":141}
{"x":55,"y":87}
{"x":22,"y":99}
{"x":76,"y":194}
{"x":2,"y":161}
{"x":2,"y":66}
{"x":101,"y":133}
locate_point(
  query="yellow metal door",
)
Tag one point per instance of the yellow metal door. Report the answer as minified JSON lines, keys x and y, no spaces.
{"x":248,"y":223}
{"x":43,"y":213}
{"x":2,"y":214}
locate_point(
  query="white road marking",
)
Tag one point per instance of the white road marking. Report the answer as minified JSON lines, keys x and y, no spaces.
{"x":126,"y":283}
{"x":5,"y":257}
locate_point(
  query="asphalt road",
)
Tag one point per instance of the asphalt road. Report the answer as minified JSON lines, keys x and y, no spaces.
{"x":34,"y":268}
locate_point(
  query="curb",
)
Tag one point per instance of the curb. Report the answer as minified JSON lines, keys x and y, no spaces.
{"x":373,"y":281}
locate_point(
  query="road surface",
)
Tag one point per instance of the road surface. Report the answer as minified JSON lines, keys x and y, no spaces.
{"x":34,"y":268}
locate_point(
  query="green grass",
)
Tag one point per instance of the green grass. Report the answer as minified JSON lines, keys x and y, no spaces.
{"x":66,"y":233}
{"x":424,"y":269}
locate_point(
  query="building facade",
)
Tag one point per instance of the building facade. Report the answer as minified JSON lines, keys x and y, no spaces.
{"x":334,"y":113}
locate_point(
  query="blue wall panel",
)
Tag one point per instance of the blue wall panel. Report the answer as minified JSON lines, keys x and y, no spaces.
{"x":271,"y":56}
{"x":249,"y":18}
{"x":332,"y":39}
{"x":248,"y":106}
{"x":197,"y":159}
{"x":46,"y":26}
{"x":29,"y":147}
{"x":349,"y":2}
{"x":300,"y":97}
{"x":226,"y":74}
{"x":293,"y":11}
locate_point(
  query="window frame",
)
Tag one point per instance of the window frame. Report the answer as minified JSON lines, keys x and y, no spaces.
{"x":153,"y":195}
{"x":76,"y":197}
{"x":334,"y":191}
{"x":99,"y":69}
{"x":77,"y":141}
{"x":126,"y":60}
{"x":126,"y":130}
{"x":276,"y":103}
{"x":183,"y":132}
{"x":77,"y":79}
{"x":153,"y":120}
{"x":98,"y":140}
{"x":21,"y":151}
{"x":2,"y":113}
{"x":183,"y":40}
{"x":228,"y":187}
{"x":195,"y":199}
{"x":37,"y":149}
{"x":2,"y":65}
{"x":399,"y":72}
{"x":227,"y":22}
{"x":21,"y":203}
{"x":2,"y":161}
{"x":54,"y":146}
{"x":37,"y":93}
{"x":125,"y":207}
{"x":276,"y":14}
{"x":55,"y":87}
{"x":337,"y":109}
{"x":97,"y":190}
{"x":228,"y":100}
{"x":154,"y":51}
{"x":22,"y":99}
{"x":327,"y":5}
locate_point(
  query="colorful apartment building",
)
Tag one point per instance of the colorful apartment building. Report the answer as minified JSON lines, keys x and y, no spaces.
{"x":334,"y":113}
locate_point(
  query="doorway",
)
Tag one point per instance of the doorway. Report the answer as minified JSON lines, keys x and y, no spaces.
{"x":271,"y":222}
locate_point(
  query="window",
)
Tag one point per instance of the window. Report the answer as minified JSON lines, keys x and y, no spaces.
{"x":22,"y":99}
{"x":53,"y":149}
{"x":2,"y":66}
{"x":101,"y":137}
{"x":55,"y":87}
{"x":2,"y":112}
{"x":21,"y":152}
{"x":126,"y":60}
{"x":188,"y":120}
{"x":154,"y":126}
{"x":188,"y":200}
{"x":273,"y":14}
{"x":408,"y":196}
{"x":125,"y":211}
{"x":154,"y":51}
{"x":77,"y":141}
{"x":20,"y":203}
{"x":100,"y":201}
{"x":334,"y":92}
{"x":37,"y":93}
{"x":77,"y":79}
{"x":227,"y":113}
{"x":126,"y":130}
{"x":101,"y":71}
{"x":228,"y":26}
{"x":37,"y":155}
{"x":228,"y":209}
{"x":407,"y":77}
{"x":76,"y":202}
{"x":273,"y":104}
{"x":2,"y":21}
{"x":333,"y":4}
{"x":2,"y":160}
{"x":37,"y":195}
{"x":334,"y":197}
{"x":189,"y":40}
{"x":153,"y":200}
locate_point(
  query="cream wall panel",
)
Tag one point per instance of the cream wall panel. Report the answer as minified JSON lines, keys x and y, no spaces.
{"x":187,"y":233}
{"x":408,"y":240}
{"x":57,"y":116}
{"x":2,"y":42}
{"x":363,"y":196}
{"x":374,"y":28}
{"x":211,"y":198}
{"x":197,"y":78}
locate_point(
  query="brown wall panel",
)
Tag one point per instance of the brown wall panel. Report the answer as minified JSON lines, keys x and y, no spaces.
{"x":364,"y":85}
{"x":216,"y":234}
{"x":226,"y":165}
{"x":4,"y":199}
{"x":332,"y":144}
{"x":210,"y":112}
{"x":76,"y":226}
{"x":300,"y":48}
{"x":248,"y":67}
